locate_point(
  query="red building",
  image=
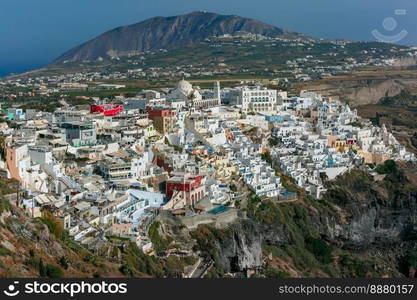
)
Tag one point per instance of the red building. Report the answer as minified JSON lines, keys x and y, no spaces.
{"x":163,"y":118}
{"x":159,"y":112}
{"x":107,"y":109}
{"x":188,"y":186}
{"x":160,"y":161}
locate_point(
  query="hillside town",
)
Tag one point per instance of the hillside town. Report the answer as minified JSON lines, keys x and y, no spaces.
{"x":110,"y":168}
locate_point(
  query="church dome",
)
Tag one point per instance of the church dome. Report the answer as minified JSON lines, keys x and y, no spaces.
{"x":184,"y":86}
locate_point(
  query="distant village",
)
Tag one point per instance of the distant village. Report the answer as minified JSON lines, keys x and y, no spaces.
{"x":314,"y":63}
{"x":110,"y":168}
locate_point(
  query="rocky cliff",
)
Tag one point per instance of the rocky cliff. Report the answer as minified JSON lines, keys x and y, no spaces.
{"x":357,"y":91}
{"x":367,"y":86}
{"x":406,"y":61}
{"x":362,"y":227}
{"x":38,"y":248}
{"x":372,"y":91}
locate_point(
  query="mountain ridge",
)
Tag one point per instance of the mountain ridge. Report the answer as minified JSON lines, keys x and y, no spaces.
{"x":165,"y":33}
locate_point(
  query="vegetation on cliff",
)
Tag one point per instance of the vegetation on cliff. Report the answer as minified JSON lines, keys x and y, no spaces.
{"x":137,"y":264}
{"x":160,"y":244}
{"x":364,"y":226}
{"x":355,"y":230}
{"x":55,"y":255}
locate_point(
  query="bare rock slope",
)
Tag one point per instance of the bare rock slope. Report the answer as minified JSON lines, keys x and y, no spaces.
{"x":166,"y":32}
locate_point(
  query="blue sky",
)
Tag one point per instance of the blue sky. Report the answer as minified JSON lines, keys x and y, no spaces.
{"x":34,"y":32}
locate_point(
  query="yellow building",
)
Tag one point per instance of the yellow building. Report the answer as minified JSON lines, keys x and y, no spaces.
{"x":340,"y":145}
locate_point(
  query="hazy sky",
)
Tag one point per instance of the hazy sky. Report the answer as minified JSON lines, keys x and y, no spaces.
{"x":34,"y":32}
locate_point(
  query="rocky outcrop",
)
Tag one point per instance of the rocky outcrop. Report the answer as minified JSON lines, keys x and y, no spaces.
{"x":405,"y":61}
{"x":244,"y":248}
{"x":378,"y":212}
{"x":358,"y":91}
{"x":372,"y":91}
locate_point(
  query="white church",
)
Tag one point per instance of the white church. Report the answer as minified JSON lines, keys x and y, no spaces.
{"x":185,"y":94}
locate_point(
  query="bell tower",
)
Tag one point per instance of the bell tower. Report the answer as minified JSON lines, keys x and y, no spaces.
{"x":217,"y":92}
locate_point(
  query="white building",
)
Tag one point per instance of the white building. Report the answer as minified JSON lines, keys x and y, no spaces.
{"x":185,"y":92}
{"x":133,"y":209}
{"x":257,"y":99}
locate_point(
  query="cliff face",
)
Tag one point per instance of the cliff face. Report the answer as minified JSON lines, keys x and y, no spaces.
{"x":406,"y":61}
{"x":371,"y":92}
{"x":364,"y":221}
{"x":42,"y":248}
{"x":243,"y":250}
{"x":164,"y":33}
{"x":28,"y":248}
{"x":377,"y":213}
{"x":358,"y":92}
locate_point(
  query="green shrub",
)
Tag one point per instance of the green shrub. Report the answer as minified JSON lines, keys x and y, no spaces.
{"x":337,"y":196}
{"x":321,"y":250}
{"x":189,"y":260}
{"x":4,"y":252}
{"x":412,"y":259}
{"x":54,"y":271}
{"x":4,"y":205}
{"x":388,"y":167}
{"x":267,"y":157}
{"x":303,"y":259}
{"x":274,"y":273}
{"x":207,"y":238}
{"x":54,"y":226}
{"x":135,"y":262}
{"x":159,"y":243}
{"x":42,"y":269}
{"x":353,"y":266}
{"x":275,"y":251}
{"x":63,"y":262}
{"x":7,"y":186}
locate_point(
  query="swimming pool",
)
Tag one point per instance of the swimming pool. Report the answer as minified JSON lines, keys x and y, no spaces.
{"x":218,"y":210}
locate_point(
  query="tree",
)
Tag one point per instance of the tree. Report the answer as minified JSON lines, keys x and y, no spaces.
{"x":273,"y":142}
{"x":2,"y":146}
{"x":42,"y":269}
{"x":233,"y":187}
{"x":191,"y":96}
{"x":63,"y":262}
{"x":54,"y":272}
{"x":323,"y":176}
{"x":267,"y":157}
{"x":321,"y":250}
{"x":387,"y":167}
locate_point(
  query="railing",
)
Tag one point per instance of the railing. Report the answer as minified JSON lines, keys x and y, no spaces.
{"x":68,"y":182}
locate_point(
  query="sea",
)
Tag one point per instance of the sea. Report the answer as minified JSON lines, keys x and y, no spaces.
{"x":10,"y":69}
